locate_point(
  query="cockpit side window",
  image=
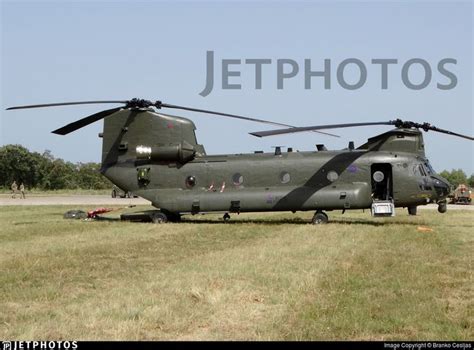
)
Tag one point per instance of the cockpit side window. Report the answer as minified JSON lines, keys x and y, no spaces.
{"x":429,"y":168}
{"x":416,"y":170}
{"x":421,"y":170}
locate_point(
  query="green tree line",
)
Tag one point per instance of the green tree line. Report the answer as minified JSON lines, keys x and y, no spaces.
{"x":44,"y":171}
{"x":457,"y":177}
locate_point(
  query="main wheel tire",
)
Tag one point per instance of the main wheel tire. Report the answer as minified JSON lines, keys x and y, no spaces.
{"x":320,"y":218}
{"x":226,"y":217}
{"x":412,"y":210}
{"x":174,"y":217}
{"x":159,"y":218}
{"x":114,"y":194}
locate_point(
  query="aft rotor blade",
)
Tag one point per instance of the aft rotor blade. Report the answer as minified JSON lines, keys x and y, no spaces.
{"x":166,"y":105}
{"x":316,"y":127}
{"x":65,"y":104}
{"x":85,"y":121}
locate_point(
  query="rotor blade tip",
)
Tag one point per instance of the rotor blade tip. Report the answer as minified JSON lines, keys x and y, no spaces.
{"x":59,"y":132}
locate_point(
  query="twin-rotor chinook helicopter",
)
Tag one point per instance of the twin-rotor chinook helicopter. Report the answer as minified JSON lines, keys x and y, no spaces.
{"x":157,"y":157}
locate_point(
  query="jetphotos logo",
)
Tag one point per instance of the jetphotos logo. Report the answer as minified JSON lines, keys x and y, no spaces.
{"x":350,"y":73}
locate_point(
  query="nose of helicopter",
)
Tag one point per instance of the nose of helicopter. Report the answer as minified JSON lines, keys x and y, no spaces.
{"x":441,"y":186}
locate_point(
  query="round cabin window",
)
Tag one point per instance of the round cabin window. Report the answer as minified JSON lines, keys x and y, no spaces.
{"x":332,"y":176}
{"x":237,"y":179}
{"x":378,"y":176}
{"x":190,"y":181}
{"x":285,"y":177}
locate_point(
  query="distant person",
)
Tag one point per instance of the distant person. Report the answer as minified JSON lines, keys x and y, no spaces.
{"x":14,"y":188}
{"x":22,"y":191}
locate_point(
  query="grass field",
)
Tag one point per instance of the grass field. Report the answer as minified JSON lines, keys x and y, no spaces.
{"x":260,"y":277}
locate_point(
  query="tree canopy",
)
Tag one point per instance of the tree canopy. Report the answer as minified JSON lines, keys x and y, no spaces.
{"x":44,"y":171}
{"x":457,"y":177}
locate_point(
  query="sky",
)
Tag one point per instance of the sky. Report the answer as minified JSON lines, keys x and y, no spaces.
{"x":73,"y":51}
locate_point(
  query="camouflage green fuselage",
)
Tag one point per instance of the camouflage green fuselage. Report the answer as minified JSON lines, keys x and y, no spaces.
{"x":290,"y":181}
{"x":266,"y":182}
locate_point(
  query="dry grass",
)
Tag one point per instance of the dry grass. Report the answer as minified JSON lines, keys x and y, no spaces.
{"x":262,"y":276}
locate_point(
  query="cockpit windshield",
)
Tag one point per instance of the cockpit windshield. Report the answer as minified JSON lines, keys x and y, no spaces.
{"x":429,"y":168}
{"x":423,"y":169}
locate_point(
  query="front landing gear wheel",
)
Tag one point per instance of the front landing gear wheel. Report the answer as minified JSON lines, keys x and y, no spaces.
{"x":319,"y":218}
{"x":226,"y":217}
{"x":412,"y":210}
{"x":442,"y":207}
{"x":159,"y":218}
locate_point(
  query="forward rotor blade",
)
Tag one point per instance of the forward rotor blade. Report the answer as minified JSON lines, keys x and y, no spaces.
{"x":427,"y":127}
{"x":316,"y":127}
{"x":64,"y":104}
{"x":166,"y":105}
{"x":85,"y":121}
{"x":434,"y":128}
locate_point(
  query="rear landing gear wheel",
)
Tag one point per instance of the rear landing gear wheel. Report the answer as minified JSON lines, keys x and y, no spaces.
{"x":319,"y":218}
{"x":226,"y":217}
{"x":412,"y":210}
{"x":159,"y":218}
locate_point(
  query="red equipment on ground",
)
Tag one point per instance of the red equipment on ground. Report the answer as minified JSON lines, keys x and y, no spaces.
{"x":91,"y":214}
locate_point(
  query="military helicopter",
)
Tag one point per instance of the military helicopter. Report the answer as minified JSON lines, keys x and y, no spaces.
{"x":157,"y":157}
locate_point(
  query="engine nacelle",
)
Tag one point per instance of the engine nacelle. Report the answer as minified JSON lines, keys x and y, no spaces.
{"x":182,"y":152}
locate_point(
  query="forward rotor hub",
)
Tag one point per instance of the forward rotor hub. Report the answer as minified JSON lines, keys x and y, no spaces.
{"x":409,"y":124}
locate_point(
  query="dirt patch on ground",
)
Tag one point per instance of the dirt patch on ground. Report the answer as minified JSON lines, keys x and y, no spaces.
{"x":70,"y":200}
